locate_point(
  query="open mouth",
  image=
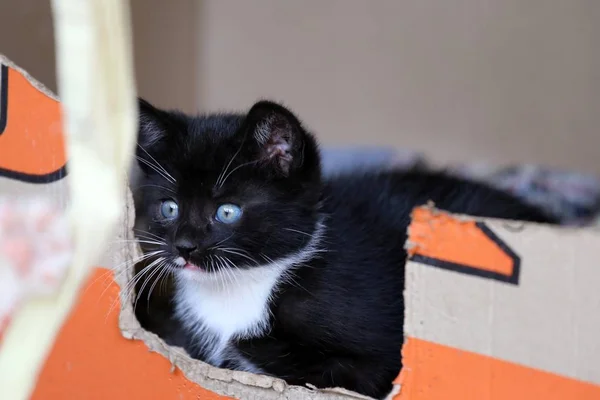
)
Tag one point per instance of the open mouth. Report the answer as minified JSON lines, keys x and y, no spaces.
{"x":188,"y":265}
{"x":193,"y":267}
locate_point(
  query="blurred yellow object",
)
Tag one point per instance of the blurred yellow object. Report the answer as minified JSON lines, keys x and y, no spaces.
{"x":97,"y":92}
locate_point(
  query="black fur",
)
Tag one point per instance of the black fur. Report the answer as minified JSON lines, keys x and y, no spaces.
{"x":339,"y":322}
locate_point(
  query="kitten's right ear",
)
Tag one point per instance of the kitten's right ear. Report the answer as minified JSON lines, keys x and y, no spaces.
{"x":151,"y":128}
{"x":282,"y":143}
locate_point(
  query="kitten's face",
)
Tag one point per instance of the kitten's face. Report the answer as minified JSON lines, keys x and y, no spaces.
{"x":225,"y":191}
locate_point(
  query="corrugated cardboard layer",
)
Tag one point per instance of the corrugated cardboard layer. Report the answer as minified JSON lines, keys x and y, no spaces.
{"x":547,"y":317}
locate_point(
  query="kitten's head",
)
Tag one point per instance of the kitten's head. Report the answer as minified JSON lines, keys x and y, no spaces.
{"x":226,"y":191}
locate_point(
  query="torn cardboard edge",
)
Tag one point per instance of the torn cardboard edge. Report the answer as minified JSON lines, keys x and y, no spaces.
{"x":6,"y":61}
{"x":238,"y":384}
{"x":412,"y":246}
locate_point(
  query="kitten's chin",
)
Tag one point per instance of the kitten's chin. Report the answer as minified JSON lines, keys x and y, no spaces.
{"x":194,"y":273}
{"x":191,"y":271}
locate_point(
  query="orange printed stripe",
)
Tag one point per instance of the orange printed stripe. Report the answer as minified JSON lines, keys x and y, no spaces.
{"x":433,"y":371}
{"x":443,"y":240}
{"x":32,"y":144}
{"x":91,"y":359}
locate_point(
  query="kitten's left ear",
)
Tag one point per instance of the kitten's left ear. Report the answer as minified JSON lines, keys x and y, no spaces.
{"x":151,"y":127}
{"x":279,"y":135}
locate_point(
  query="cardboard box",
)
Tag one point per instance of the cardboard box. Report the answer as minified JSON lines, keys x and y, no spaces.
{"x":494,"y":309}
{"x":500,"y":310}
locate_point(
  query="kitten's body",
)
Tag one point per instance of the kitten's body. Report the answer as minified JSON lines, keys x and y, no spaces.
{"x":320,"y":300}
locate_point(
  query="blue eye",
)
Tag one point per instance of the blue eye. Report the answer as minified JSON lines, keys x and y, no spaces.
{"x":228,"y":213}
{"x":169,"y":209}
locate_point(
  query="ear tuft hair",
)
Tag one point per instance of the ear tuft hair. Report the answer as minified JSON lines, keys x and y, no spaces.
{"x":150,"y":128}
{"x":278,"y":134}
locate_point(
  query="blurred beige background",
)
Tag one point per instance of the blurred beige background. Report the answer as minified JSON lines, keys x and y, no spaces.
{"x":498,"y":80}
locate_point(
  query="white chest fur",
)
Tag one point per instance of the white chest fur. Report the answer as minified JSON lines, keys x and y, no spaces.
{"x":220,"y":307}
{"x":233,"y":307}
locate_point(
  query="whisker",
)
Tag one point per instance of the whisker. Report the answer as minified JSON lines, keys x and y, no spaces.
{"x":233,"y":266}
{"x":267,"y":258}
{"x":138,"y":259}
{"x":146,"y":233}
{"x":157,"y":163}
{"x":233,"y":251}
{"x":222,"y":276}
{"x":125,"y":290}
{"x":156,"y":186}
{"x":216,"y":270}
{"x":290,"y":279}
{"x":228,"y":274}
{"x":229,"y":163}
{"x":235,"y":169}
{"x":226,"y":270}
{"x":162,"y":268}
{"x":213,"y":247}
{"x":162,"y":287}
{"x":130,"y":286}
{"x":149,"y":164}
{"x":164,"y":271}
{"x":145,"y":241}
{"x":119,"y":271}
{"x":297,"y":231}
{"x":155,"y":271}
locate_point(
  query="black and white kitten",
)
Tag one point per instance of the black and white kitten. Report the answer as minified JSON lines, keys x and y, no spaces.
{"x":277,"y":270}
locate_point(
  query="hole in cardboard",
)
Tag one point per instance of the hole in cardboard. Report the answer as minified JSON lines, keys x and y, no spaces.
{"x":153,"y":295}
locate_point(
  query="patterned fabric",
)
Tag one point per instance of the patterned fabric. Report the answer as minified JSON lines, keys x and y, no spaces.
{"x":35,"y":252}
{"x":572,"y":197}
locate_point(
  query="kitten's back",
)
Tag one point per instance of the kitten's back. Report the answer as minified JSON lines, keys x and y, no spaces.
{"x":398,"y":192}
